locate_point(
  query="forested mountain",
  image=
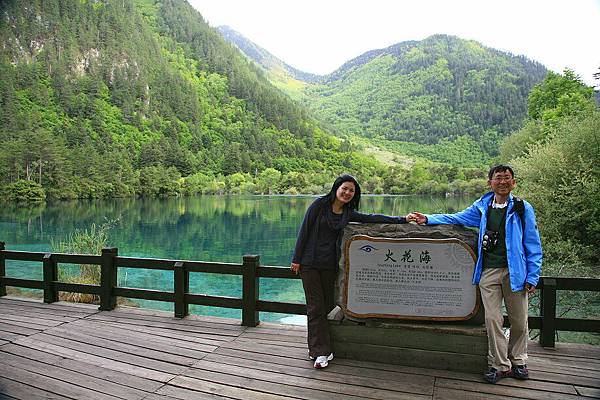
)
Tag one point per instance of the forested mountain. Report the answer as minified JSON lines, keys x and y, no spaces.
{"x":265,"y":59}
{"x":440,"y":88}
{"x":113,"y":98}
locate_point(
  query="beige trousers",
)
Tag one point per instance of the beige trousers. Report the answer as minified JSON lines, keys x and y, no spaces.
{"x":495,"y":287}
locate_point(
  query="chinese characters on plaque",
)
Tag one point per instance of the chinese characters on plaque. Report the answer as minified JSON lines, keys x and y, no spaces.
{"x":409,"y":278}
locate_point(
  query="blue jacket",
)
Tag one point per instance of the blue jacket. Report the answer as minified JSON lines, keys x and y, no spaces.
{"x":523,"y":248}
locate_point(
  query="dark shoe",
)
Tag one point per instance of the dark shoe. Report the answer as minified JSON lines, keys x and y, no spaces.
{"x":520,"y":372}
{"x":493,"y":375}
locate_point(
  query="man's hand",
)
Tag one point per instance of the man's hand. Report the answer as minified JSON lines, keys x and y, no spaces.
{"x":417,"y":217}
{"x":530,"y":288}
{"x":295,"y":268}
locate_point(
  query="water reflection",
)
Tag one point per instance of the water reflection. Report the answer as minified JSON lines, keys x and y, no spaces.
{"x":207,"y":228}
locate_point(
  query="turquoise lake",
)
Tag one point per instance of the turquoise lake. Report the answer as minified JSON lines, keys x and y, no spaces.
{"x":204,"y":228}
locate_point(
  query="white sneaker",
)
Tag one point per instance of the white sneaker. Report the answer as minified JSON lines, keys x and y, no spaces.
{"x":323,"y":361}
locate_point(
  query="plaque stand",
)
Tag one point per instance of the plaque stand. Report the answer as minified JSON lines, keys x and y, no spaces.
{"x":437,"y":343}
{"x":449,"y":346}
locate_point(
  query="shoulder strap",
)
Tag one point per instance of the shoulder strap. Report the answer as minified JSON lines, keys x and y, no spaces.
{"x":519,"y":208}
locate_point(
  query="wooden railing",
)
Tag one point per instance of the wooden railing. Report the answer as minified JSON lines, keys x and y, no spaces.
{"x":250,"y":303}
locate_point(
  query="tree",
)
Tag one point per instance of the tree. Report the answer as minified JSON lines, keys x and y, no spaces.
{"x":561,"y":178}
{"x":268,"y":180}
{"x":560,"y":96}
{"x":556,"y":98}
{"x":24,"y":191}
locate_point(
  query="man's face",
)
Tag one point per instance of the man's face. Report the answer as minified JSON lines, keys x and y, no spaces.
{"x":502,"y":183}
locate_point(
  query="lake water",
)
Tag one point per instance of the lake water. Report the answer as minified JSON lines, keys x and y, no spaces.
{"x":205,"y":228}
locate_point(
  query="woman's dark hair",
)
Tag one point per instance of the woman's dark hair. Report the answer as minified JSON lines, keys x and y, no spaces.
{"x":500,"y":168}
{"x":355,"y":202}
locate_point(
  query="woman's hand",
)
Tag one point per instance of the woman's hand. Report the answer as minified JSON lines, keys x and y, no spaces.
{"x":295,"y":268}
{"x":417,"y":217}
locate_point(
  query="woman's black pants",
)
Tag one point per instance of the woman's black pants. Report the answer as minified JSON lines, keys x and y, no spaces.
{"x":318,"y":289}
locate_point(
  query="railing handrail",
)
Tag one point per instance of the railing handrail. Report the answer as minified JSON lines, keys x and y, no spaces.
{"x":250,"y":303}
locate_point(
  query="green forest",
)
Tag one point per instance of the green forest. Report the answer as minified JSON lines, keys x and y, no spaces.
{"x":112,"y":99}
{"x":144,"y":98}
{"x":443,"y":99}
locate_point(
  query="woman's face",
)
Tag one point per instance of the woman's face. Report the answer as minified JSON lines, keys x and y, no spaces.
{"x":345,"y":192}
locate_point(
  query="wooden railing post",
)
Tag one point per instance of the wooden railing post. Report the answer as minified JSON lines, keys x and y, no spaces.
{"x":250,"y":290}
{"x":108,"y":279}
{"x":50,"y":276}
{"x":2,"y":270}
{"x":181,"y":283}
{"x":548,"y":313}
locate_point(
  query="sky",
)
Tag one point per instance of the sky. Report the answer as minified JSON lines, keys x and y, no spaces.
{"x":318,"y":36}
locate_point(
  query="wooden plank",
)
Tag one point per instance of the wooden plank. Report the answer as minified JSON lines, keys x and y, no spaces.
{"x":20,"y":391}
{"x":9,"y":336}
{"x":278,"y":327}
{"x":6,"y":327}
{"x":36,"y":315}
{"x":89,"y":382}
{"x":189,"y":389}
{"x":164,"y":397}
{"x":96,"y":360}
{"x":529,"y":389}
{"x":148,"y":350}
{"x":116,"y":355}
{"x":346,"y":367}
{"x":141,"y":339}
{"x":259,"y":385}
{"x":275,"y":342}
{"x":208,"y":339}
{"x":231,"y":389}
{"x":173,"y":325}
{"x":50,"y":384}
{"x":566,"y":349}
{"x":162,"y":316}
{"x":121,"y":378}
{"x":570,"y":379}
{"x":575,"y":365}
{"x":24,"y":318}
{"x":61,"y":305}
{"x":26,"y":324}
{"x":568,"y":361}
{"x":266,"y":349}
{"x":73,"y":312}
{"x":588,"y":392}
{"x":274,"y":337}
{"x":405,"y":383}
{"x":453,"y":394}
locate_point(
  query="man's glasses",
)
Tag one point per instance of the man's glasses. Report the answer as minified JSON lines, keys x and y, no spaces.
{"x":502,"y":179}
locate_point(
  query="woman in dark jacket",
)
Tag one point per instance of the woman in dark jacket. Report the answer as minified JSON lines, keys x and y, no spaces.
{"x":317,"y":254}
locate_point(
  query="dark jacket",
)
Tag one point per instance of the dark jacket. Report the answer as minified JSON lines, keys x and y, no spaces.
{"x":308,"y":235}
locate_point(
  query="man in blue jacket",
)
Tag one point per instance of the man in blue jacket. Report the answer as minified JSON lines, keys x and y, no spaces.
{"x":509,"y":262}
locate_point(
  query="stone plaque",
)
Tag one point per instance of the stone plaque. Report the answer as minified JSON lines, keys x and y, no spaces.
{"x":417,"y":279}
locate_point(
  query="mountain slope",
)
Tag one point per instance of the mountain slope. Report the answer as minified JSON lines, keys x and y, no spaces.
{"x":120,"y":97}
{"x":425,"y":91}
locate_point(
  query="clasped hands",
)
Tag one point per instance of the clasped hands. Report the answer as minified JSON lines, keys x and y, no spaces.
{"x":417,"y":217}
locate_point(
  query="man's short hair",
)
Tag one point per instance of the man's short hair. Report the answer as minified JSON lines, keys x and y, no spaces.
{"x":500,"y":168}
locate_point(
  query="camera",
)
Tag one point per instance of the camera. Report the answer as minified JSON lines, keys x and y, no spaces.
{"x":489,"y":241}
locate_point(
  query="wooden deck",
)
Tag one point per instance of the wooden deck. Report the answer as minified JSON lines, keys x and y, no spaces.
{"x":61,"y":350}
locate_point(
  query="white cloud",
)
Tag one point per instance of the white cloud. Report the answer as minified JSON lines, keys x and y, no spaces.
{"x":318,"y":36}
